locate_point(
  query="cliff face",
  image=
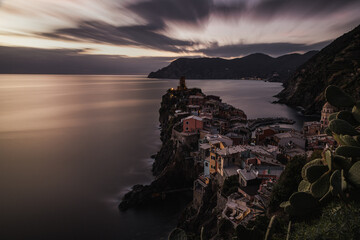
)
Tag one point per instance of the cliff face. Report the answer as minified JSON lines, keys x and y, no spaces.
{"x":254,"y":65}
{"x":173,"y":169}
{"x":337,"y":64}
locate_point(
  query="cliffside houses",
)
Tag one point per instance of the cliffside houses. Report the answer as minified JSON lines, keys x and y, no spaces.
{"x":192,"y":124}
{"x":225,"y":144}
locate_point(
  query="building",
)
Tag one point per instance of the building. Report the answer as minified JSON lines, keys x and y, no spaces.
{"x":311,"y":128}
{"x":192,"y":124}
{"x":319,"y":142}
{"x":196,"y":100}
{"x":236,"y":209}
{"x":264,"y":132}
{"x":326,"y":111}
{"x":289,"y":138}
{"x":199,"y":189}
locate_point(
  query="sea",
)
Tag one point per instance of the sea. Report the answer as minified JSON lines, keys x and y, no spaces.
{"x":72,"y":145}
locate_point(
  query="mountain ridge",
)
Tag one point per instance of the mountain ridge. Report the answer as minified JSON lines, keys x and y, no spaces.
{"x":337,"y":64}
{"x":256,"y":65}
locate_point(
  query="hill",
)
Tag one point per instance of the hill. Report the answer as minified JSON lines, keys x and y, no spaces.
{"x":256,"y":65}
{"x":337,"y":64}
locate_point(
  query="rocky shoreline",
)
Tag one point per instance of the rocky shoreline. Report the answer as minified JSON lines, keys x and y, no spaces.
{"x":173,"y":168}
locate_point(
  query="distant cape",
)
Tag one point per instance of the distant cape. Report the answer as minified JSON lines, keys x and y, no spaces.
{"x":256,"y":65}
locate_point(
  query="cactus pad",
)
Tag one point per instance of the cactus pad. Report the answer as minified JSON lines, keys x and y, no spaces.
{"x":285,"y":204}
{"x":349,"y":140}
{"x":329,"y":159}
{"x":333,"y":116}
{"x":354,"y":174}
{"x":347,"y":116}
{"x":336,"y":97}
{"x":356,"y":111}
{"x":303,"y":201}
{"x":335,"y":182}
{"x":319,"y":188}
{"x":348,"y":151}
{"x":304,"y":186}
{"x":340,"y":126}
{"x":177,"y":234}
{"x":317,"y":161}
{"x":341,"y":162}
{"x":313,"y":173}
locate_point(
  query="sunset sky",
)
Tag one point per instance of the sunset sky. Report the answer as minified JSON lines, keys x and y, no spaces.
{"x":157,"y":31}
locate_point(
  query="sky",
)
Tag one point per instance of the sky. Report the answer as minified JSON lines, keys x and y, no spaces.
{"x":139,"y":35}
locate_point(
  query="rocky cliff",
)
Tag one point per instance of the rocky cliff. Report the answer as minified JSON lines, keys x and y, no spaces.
{"x":337,"y":64}
{"x":173,"y":168}
{"x":255,"y":65}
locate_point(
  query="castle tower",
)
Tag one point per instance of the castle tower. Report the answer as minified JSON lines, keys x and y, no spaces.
{"x":182,"y":84}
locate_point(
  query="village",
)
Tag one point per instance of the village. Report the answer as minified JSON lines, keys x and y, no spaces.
{"x":225,"y":144}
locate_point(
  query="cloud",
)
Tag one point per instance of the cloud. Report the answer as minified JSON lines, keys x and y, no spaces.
{"x":135,"y":35}
{"x":16,"y":60}
{"x":274,"y":49}
{"x":298,"y":8}
{"x":185,"y":11}
{"x":188,"y":12}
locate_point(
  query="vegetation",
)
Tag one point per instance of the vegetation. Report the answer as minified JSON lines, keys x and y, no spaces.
{"x":288,"y":182}
{"x":231,"y":185}
{"x":337,"y":221}
{"x":337,"y":174}
{"x":325,"y":204}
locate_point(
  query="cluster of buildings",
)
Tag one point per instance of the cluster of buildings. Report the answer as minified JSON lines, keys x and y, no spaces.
{"x":225,"y":145}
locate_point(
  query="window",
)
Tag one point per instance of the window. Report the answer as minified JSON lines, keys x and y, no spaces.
{"x":187,"y":123}
{"x":187,"y":129}
{"x":206,"y":164}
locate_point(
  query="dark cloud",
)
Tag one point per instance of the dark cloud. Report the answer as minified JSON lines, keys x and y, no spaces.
{"x":274,"y":49}
{"x":298,"y":8}
{"x":185,"y":11}
{"x":188,"y":12}
{"x":136,"y":35}
{"x":16,"y":60}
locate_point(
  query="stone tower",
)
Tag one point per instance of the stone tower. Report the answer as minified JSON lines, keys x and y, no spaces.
{"x":182,"y":84}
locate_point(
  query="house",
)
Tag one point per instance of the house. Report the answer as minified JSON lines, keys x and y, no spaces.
{"x":247,"y":176}
{"x":263,"y":133}
{"x":311,"y":128}
{"x":230,"y":156}
{"x":192,"y":124}
{"x":196,"y":100}
{"x":236,"y":209}
{"x":289,"y":138}
{"x":326,"y":111}
{"x":199,"y":189}
{"x":319,"y":142}
{"x":193,"y":109}
{"x":213,"y":97}
{"x":269,"y":172}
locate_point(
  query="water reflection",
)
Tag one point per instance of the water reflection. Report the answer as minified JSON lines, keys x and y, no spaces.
{"x":71,"y":145}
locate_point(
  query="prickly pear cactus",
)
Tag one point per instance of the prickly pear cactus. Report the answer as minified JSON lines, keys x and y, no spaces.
{"x":177,"y":234}
{"x":337,"y":175}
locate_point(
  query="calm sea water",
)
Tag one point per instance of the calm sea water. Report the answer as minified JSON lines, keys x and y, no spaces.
{"x":71,"y":146}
